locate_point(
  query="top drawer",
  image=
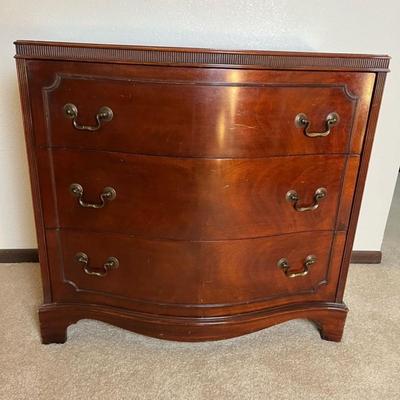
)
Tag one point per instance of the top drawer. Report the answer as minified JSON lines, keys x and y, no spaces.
{"x":198,"y":112}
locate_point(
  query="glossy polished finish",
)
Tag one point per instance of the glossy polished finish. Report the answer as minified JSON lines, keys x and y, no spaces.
{"x":201,"y":112}
{"x":194,"y":194}
{"x":192,"y":199}
{"x":152,"y":271}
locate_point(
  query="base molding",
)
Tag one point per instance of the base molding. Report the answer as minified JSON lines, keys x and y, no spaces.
{"x":56,"y":317}
{"x":31,"y":255}
{"x":18,"y":255}
{"x":366,"y":257}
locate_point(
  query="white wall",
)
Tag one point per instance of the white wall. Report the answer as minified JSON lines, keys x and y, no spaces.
{"x":342,"y":25}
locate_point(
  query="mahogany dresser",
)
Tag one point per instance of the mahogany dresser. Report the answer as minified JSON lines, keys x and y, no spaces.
{"x":194,"y":194}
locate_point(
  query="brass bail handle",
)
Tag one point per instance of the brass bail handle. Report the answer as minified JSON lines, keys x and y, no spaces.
{"x":105,"y":114}
{"x":302,"y":121}
{"x":284,"y":265}
{"x":107,"y":195}
{"x":83,"y":259}
{"x":293,"y":197}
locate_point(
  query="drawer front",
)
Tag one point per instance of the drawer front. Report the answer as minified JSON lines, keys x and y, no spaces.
{"x":198,"y":112}
{"x":191,"y":199}
{"x":190,"y":275}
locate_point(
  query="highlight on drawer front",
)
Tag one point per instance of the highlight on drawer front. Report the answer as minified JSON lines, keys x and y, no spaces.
{"x":160,"y":197}
{"x":176,"y":118}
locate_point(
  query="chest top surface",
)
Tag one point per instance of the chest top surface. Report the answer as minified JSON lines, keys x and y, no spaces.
{"x":200,"y":57}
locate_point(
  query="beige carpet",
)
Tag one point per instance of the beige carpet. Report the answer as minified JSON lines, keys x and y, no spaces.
{"x":288,"y":361}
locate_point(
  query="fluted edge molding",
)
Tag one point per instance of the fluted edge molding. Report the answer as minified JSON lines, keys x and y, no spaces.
{"x":193,"y":57}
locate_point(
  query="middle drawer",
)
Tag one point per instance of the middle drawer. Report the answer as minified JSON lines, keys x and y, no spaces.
{"x":190,"y":199}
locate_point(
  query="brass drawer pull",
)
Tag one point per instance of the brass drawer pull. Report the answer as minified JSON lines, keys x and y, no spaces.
{"x":283,"y":264}
{"x":293,"y":197}
{"x":108,"y":194}
{"x":104,"y":114}
{"x":302,"y":121}
{"x":111,"y":263}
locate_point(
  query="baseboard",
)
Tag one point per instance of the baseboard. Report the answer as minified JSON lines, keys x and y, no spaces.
{"x":366,"y":257}
{"x":18,"y":255}
{"x":31,"y":255}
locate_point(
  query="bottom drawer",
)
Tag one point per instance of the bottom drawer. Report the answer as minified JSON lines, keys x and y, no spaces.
{"x":193,"y":278}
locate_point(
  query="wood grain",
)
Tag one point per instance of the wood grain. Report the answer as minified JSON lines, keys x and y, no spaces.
{"x":56,"y":317}
{"x":202,"y":150}
{"x":34,"y":177}
{"x":192,"y":199}
{"x":199,"y":112}
{"x":189,"y":275}
{"x":362,"y":175}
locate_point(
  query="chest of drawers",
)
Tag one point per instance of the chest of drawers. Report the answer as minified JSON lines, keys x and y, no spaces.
{"x":194,"y":194}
